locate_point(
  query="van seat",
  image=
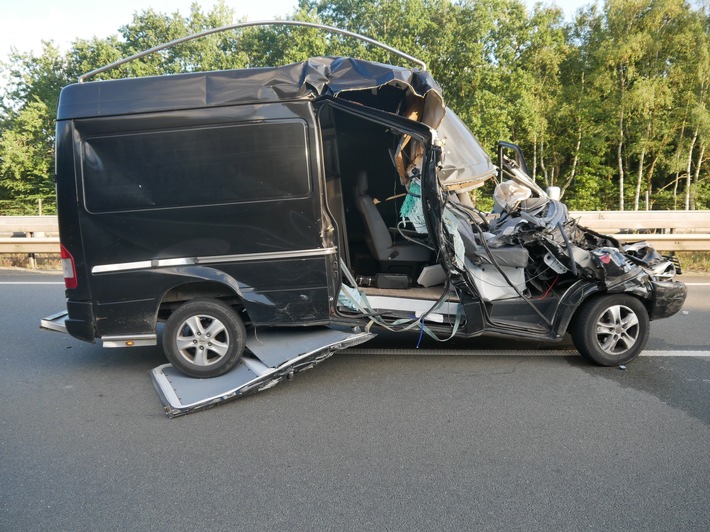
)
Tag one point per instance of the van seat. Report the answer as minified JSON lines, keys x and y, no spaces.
{"x":378,"y":237}
{"x":514,"y":256}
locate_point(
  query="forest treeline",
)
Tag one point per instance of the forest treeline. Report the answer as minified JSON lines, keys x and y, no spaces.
{"x":611,"y":106}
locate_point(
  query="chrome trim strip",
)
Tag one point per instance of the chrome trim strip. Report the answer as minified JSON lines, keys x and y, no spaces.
{"x":121,"y":266}
{"x":162,"y":263}
{"x":214,"y":259}
{"x":298,"y":254}
{"x":139,"y":340}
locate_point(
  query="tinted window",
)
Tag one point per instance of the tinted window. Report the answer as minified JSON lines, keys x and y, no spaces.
{"x":199,"y":166}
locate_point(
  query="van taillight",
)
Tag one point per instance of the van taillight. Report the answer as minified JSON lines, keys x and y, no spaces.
{"x":68,"y":268}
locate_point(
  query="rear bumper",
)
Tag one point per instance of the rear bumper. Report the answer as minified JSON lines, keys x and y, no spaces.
{"x":668,"y":298}
{"x":80,"y":321}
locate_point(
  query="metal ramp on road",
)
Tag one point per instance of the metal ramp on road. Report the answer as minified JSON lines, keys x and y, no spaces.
{"x":270,"y":356}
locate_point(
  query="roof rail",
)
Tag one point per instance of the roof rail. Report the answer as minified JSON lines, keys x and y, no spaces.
{"x":120,"y":62}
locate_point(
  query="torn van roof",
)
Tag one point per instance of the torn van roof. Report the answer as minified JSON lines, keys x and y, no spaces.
{"x":306,"y":80}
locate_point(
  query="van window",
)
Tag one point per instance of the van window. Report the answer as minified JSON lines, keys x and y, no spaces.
{"x":196,"y":166}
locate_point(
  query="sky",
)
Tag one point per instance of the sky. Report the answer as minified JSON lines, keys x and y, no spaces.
{"x":25,"y":23}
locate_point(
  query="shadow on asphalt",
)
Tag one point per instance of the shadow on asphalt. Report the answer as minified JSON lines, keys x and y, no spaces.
{"x":677,"y":381}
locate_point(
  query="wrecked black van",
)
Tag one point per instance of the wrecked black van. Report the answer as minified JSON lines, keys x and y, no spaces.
{"x":334,"y":194}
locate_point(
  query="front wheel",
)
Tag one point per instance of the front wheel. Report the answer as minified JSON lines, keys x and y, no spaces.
{"x":611,"y":330}
{"x":204,"y":338}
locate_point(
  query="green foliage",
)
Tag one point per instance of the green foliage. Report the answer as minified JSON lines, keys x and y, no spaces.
{"x":620,"y":91}
{"x":27,"y":130}
{"x":702,"y":197}
{"x":694,"y":261}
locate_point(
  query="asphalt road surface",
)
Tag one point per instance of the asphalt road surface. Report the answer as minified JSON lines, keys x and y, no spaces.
{"x":361,"y":442}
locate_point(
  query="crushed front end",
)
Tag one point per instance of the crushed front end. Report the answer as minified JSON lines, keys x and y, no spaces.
{"x":561,"y":252}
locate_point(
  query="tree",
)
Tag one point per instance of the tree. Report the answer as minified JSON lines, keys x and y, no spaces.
{"x":27,"y":129}
{"x":27,"y":122}
{"x":27,"y":159}
{"x":608,"y":107}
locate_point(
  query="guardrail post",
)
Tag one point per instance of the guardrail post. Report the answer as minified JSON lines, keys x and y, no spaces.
{"x":31,"y":256}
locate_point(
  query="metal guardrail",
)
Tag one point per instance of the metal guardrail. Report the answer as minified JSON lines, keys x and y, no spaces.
{"x":665,"y":230}
{"x":660,"y":221}
{"x":29,"y":234}
{"x":29,"y":245}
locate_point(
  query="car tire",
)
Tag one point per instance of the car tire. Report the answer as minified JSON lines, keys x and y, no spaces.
{"x":204,"y":338}
{"x":611,"y":329}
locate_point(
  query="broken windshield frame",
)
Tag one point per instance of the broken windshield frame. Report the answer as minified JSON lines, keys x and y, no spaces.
{"x":465,"y":165}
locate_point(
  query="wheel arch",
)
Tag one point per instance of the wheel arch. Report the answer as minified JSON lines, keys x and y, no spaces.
{"x":572,"y":301}
{"x":201,"y":282}
{"x":593,"y":296}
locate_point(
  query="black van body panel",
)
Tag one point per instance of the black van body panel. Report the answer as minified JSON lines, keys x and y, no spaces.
{"x":265,"y":289}
{"x":273,"y":253}
{"x":202,"y":231}
{"x":68,"y":212}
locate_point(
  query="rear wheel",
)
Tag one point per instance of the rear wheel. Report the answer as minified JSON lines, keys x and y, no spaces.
{"x":204,"y":338}
{"x":611,"y":330}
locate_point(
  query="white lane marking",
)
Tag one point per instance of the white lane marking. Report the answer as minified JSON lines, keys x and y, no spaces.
{"x":509,"y":352}
{"x":461,"y":352}
{"x":62,"y":282}
{"x":30,"y":282}
{"x":675,"y":353}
